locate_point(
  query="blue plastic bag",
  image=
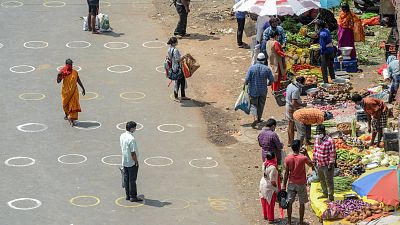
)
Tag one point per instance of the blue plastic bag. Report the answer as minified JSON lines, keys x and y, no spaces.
{"x":243,"y":101}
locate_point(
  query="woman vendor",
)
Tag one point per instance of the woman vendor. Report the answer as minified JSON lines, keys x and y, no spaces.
{"x":347,"y":20}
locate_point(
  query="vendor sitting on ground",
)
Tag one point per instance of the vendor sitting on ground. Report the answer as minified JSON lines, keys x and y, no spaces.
{"x":304,"y":118}
{"x":377,"y":113}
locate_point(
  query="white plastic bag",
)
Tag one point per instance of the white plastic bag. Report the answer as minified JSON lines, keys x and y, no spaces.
{"x":385,"y":74}
{"x":243,"y":101}
{"x":86,"y":25}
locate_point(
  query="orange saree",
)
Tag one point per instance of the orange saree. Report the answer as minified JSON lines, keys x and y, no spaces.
{"x":70,"y":96}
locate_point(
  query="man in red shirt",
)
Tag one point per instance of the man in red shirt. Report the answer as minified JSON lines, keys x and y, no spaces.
{"x":296,"y":173}
{"x":324,"y":157}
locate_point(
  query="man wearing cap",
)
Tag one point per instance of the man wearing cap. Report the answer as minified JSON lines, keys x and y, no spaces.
{"x":259,"y":77}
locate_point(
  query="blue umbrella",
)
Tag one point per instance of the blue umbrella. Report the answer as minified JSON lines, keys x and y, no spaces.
{"x":327,"y":4}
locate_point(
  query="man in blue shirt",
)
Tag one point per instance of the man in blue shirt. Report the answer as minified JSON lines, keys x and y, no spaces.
{"x":273,"y":22}
{"x":259,"y":77}
{"x":241,"y":19}
{"x":327,"y":50}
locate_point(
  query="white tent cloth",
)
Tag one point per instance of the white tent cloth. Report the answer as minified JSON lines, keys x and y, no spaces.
{"x":276,"y":7}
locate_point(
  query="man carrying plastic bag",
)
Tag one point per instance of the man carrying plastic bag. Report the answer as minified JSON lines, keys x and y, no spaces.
{"x":259,"y":77}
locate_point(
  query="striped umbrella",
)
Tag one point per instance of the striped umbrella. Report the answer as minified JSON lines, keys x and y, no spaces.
{"x":381,"y":185}
{"x":276,"y":7}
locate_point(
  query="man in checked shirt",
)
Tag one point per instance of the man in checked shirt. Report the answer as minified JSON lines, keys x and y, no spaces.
{"x":324,"y":157}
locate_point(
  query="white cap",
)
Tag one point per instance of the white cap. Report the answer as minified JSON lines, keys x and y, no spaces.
{"x":260,"y":56}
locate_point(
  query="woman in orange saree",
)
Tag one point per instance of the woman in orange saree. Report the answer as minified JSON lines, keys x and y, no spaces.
{"x":70,"y":92}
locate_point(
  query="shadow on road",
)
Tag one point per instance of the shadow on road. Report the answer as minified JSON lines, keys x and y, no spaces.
{"x":112,"y":34}
{"x":201,"y":37}
{"x":195,"y":103}
{"x":87,"y":124}
{"x":153,"y":202}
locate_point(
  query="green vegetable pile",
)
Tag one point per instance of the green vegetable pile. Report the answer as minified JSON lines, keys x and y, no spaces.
{"x":341,"y":184}
{"x":328,"y":123}
{"x":298,"y":39}
{"x":346,"y":156}
{"x":290,"y":24}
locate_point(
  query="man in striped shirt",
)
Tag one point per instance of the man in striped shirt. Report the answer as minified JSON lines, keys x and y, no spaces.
{"x":324,"y":157}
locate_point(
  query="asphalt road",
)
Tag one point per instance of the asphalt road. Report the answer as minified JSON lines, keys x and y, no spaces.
{"x":55,"y":174}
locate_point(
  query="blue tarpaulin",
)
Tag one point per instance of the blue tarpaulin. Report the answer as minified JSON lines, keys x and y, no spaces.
{"x":327,"y":4}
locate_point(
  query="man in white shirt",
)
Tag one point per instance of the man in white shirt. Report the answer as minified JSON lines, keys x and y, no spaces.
{"x":130,"y":161}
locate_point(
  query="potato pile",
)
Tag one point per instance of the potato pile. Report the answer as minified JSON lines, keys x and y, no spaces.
{"x":364,"y":213}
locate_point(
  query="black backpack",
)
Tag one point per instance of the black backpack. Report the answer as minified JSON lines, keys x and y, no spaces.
{"x":282,"y":199}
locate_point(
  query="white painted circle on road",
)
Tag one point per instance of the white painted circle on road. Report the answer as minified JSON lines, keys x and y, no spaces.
{"x":162,"y":127}
{"x":54,"y":4}
{"x":203,"y":163}
{"x":36,"y":44}
{"x":87,"y":125}
{"x":1,"y":45}
{"x":160,"y":69}
{"x":167,"y":161}
{"x":84,"y":159}
{"x":12,"y":4}
{"x":31,"y":96}
{"x":27,"y":67}
{"x":121,"y":126}
{"x":105,"y":158}
{"x":120,"y":70}
{"x":8,"y":161}
{"x":23,"y":128}
{"x":126,"y":95}
{"x":116,"y":45}
{"x":12,"y":202}
{"x":77,"y":68}
{"x":93,"y":95}
{"x":78,"y":44}
{"x":154,"y":44}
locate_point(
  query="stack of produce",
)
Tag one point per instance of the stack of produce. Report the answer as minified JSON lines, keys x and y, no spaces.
{"x":298,"y":39}
{"x":348,"y":206}
{"x":341,"y":184}
{"x":377,"y":155}
{"x":297,"y":55}
{"x":363,"y":213}
{"x":348,"y":161}
{"x":290,"y":24}
{"x":341,"y":92}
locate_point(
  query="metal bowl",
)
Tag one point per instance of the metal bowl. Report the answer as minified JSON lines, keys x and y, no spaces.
{"x":311,"y":91}
{"x":346,"y":51}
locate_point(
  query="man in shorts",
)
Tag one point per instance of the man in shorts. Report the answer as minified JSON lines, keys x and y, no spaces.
{"x":295,"y":172}
{"x":293,"y":103}
{"x":93,"y":11}
{"x":377,"y":113}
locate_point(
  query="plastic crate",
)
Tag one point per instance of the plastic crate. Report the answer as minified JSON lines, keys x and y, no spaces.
{"x":350,"y":66}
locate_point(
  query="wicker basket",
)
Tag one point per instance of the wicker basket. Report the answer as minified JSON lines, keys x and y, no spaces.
{"x":347,"y":131}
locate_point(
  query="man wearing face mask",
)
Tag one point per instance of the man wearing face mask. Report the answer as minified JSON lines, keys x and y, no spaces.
{"x":377,"y":113}
{"x":130,"y":161}
{"x":324,"y":157}
{"x":293,"y":103}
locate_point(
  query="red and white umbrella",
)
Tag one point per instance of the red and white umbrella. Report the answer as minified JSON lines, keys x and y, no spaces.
{"x":276,"y":7}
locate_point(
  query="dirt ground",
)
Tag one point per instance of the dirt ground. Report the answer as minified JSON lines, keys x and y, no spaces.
{"x":215,"y":87}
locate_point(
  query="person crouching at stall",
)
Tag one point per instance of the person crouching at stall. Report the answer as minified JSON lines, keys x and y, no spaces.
{"x":303,"y":119}
{"x":276,"y":60}
{"x":269,"y":186}
{"x":394,"y":75}
{"x":377,"y":113}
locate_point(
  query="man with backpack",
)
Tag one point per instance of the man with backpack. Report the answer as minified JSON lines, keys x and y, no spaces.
{"x":182,"y":7}
{"x":93,"y":11}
